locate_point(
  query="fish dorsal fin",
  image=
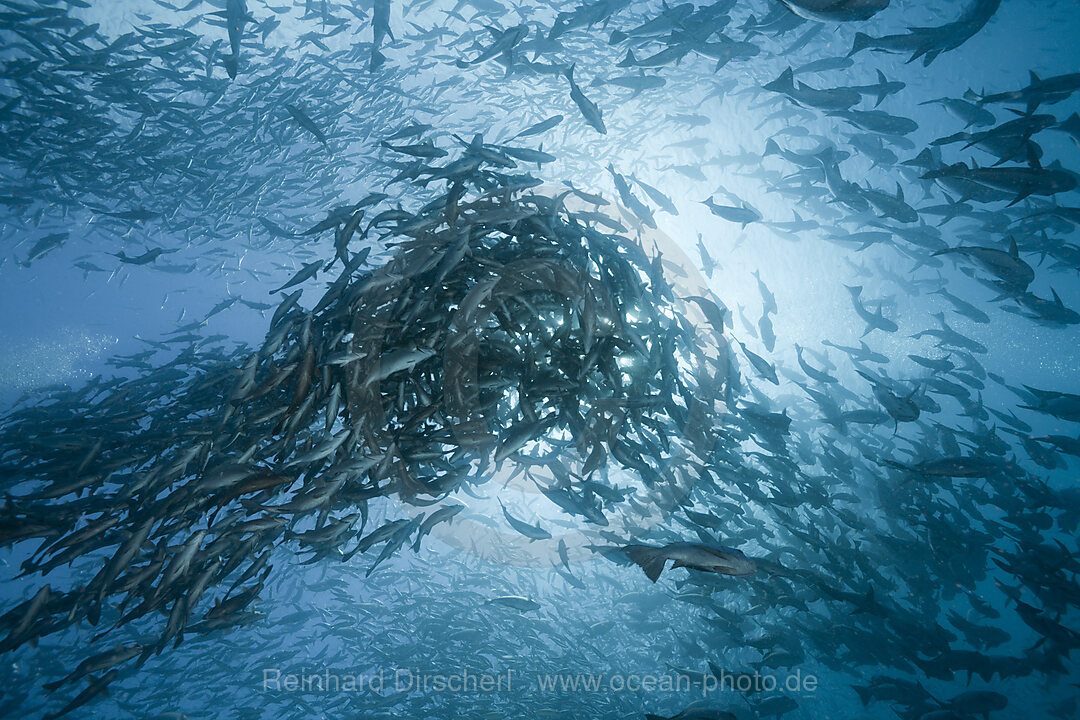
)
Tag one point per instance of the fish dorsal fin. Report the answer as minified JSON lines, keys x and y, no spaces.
{"x":1013,"y":250}
{"x":881,"y":77}
{"x":899,"y":192}
{"x":1035,"y":79}
{"x":1057,"y":299}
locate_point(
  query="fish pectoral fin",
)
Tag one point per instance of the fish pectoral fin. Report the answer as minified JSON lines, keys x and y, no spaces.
{"x":650,"y":559}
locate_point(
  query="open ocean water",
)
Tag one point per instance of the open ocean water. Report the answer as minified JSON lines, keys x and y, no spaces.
{"x":490,"y":359}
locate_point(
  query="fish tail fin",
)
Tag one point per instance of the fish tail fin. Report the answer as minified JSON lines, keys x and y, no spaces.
{"x":649,"y":559}
{"x":860,"y":43}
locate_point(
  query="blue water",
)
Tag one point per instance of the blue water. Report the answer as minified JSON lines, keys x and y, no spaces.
{"x":214,"y":154}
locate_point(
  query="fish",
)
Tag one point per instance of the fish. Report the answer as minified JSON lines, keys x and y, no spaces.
{"x":1023,"y":181}
{"x":1038,"y":91}
{"x":236,"y":16}
{"x":901,"y":408}
{"x":708,"y":264}
{"x":877,"y":122}
{"x":97,"y":663}
{"x":836,"y":10}
{"x":305,"y":122}
{"x":145,"y":258}
{"x":516,"y":602}
{"x":380,"y":29}
{"x":503,"y":43}
{"x":953,"y":467}
{"x":744,"y":214}
{"x":707,"y":558}
{"x":834,"y":99}
{"x":657,"y":196}
{"x":1063,"y":405}
{"x":631,"y":201}
{"x":812,"y":372}
{"x":533,"y":532}
{"x":764,"y":368}
{"x":874,"y":321}
{"x":1007,"y":266}
{"x":589,"y":110}
{"x":927,"y":43}
{"x":134,"y":215}
{"x":882,"y":89}
{"x":540,"y":127}
{"x":636,"y":83}
{"x":307,"y":272}
{"x":43,"y":246}
{"x":98,"y":686}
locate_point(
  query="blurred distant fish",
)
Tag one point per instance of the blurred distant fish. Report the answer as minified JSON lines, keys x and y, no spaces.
{"x":236,"y":17}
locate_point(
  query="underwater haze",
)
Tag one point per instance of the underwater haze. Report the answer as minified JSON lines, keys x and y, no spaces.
{"x":603,"y":359}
